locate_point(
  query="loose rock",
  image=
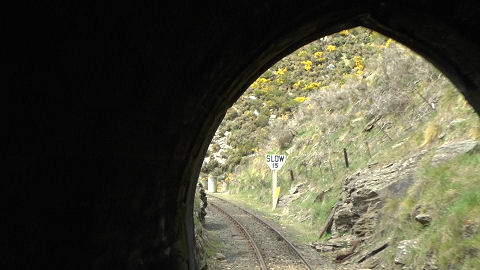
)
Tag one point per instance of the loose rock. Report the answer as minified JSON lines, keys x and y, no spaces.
{"x":424,"y":219}
{"x":296,"y":188}
{"x":287,"y":199}
{"x":326,"y":247}
{"x":470,"y":228}
{"x":431,"y":261}
{"x":371,"y":124}
{"x":219,"y":256}
{"x":448,"y":151}
{"x":320,"y":196}
{"x":404,"y":249}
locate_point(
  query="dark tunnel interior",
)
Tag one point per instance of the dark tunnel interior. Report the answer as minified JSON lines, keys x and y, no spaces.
{"x":110,"y":110}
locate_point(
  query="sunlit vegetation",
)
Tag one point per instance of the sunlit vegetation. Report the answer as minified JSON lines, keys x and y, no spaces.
{"x":363,"y":92}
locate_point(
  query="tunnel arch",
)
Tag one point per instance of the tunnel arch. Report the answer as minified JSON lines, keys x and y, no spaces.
{"x":111,"y":110}
{"x":414,"y":30}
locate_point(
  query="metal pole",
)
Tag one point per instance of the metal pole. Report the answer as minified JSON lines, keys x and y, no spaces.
{"x":274,"y":189}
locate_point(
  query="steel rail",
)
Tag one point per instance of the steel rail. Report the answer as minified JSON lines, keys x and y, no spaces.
{"x":292,"y":247}
{"x":242,"y":229}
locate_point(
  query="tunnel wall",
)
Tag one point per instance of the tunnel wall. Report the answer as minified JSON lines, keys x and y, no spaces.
{"x":110,"y":110}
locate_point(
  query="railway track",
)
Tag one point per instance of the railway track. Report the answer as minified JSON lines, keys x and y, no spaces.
{"x":271,"y":248}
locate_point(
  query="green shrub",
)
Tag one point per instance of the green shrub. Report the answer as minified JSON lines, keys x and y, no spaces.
{"x":262,"y":120}
{"x":284,"y":138}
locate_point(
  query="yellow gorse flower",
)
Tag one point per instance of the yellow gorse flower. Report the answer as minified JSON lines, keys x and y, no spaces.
{"x":311,"y":85}
{"x":259,"y":82}
{"x":388,"y":43}
{"x":317,"y":55}
{"x":281,"y":71}
{"x":358,"y":64}
{"x":300,"y":99}
{"x":307,"y":65}
{"x":331,"y":48}
{"x":297,"y":84}
{"x":358,"y":60}
{"x":301,"y":53}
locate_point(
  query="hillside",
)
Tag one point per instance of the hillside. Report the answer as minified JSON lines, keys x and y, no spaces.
{"x":277,"y":95}
{"x":411,"y":141}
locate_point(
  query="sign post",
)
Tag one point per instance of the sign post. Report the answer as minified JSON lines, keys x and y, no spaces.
{"x":275,"y":162}
{"x":274,"y":189}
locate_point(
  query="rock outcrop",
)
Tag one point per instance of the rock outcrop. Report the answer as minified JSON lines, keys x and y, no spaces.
{"x":294,"y":193}
{"x":361,"y":199}
{"x":364,"y":193}
{"x":200,"y":238}
{"x":201,"y":212}
{"x":200,"y":248}
{"x":448,"y":151}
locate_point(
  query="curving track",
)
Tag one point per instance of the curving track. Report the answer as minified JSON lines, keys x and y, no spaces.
{"x":272,"y":249}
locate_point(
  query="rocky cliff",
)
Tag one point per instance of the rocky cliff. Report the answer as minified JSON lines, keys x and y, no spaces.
{"x":356,"y":217}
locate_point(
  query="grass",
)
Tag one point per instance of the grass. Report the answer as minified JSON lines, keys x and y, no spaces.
{"x":256,"y":181}
{"x":450,"y":193}
{"x":447,"y":192}
{"x":334,"y":119}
